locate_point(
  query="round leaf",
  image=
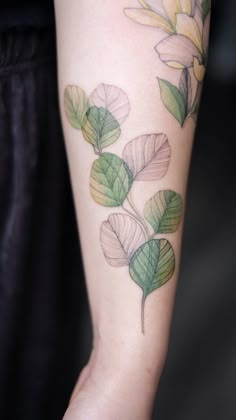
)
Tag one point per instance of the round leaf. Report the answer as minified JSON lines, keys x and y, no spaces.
{"x":110,"y":180}
{"x":120,"y":237}
{"x":152,"y":265}
{"x":112,"y":98}
{"x":100,"y":128}
{"x":163,"y":211}
{"x":148,"y":157}
{"x":76,"y":105}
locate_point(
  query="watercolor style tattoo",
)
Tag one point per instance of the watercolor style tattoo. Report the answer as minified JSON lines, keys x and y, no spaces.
{"x":128,"y":238}
{"x":184,"y":47}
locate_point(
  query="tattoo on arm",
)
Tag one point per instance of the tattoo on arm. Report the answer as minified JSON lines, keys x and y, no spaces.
{"x":128,"y":238}
{"x":184,"y":47}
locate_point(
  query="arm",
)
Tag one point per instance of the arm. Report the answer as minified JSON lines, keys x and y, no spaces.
{"x":129,"y":112}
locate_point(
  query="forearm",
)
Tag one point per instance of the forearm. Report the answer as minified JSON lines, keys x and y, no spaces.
{"x":128,"y":149}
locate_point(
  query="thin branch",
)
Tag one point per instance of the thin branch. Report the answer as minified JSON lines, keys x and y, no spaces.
{"x":139,"y":216}
{"x":97,"y":152}
{"x":135,"y":217}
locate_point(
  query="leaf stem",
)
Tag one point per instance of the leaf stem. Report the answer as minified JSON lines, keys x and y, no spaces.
{"x":139,"y":216}
{"x":97,"y":152}
{"x":153,"y":235}
{"x":135,"y":217}
{"x":142,"y":313}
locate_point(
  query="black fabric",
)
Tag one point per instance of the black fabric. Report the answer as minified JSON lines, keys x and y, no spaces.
{"x":25,"y":13}
{"x":199,"y":379}
{"x":40,"y":269}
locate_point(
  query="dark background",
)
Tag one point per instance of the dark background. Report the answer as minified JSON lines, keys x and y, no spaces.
{"x":45,"y":332}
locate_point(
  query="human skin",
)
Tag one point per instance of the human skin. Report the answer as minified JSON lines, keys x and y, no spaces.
{"x":98,"y":43}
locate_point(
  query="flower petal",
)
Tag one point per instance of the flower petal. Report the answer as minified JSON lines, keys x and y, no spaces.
{"x":198,"y":69}
{"x":188,"y":7}
{"x":149,"y":18}
{"x":186,"y":25}
{"x":177,"y":51}
{"x":172,"y":8}
{"x":144,"y":4}
{"x":155,"y":6}
{"x":198,"y":15}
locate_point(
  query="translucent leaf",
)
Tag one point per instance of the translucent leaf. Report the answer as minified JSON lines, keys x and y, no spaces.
{"x":152,"y":265}
{"x":100,"y":128}
{"x":173,"y":101}
{"x":164,"y":211}
{"x":76,"y":105}
{"x":112,"y":98}
{"x":120,"y":237}
{"x":185,"y":89}
{"x":148,"y":157}
{"x":110,"y":180}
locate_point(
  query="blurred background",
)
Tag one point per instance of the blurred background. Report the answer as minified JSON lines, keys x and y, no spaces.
{"x":45,"y":332}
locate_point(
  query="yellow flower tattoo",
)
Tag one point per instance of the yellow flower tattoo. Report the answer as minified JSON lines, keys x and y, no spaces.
{"x":186,"y":25}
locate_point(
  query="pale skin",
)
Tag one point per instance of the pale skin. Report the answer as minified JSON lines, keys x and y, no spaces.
{"x":98,"y":43}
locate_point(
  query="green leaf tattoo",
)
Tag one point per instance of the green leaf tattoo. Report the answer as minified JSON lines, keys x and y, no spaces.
{"x":163,"y":211}
{"x":100,"y":128}
{"x":125,"y":237}
{"x":173,"y":100}
{"x":184,"y":46}
{"x":152,"y":266}
{"x":110,"y":180}
{"x":186,"y":90}
{"x":76,"y":105}
{"x":100,"y":116}
{"x":206,"y":7}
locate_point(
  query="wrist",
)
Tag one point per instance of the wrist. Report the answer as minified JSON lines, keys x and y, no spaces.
{"x":110,"y":395}
{"x":127,"y":377}
{"x":121,"y":378}
{"x":117,"y":355}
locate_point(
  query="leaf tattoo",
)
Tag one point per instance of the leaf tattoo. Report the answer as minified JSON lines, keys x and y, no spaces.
{"x":151,"y":267}
{"x":100,"y":128}
{"x":76,"y":105}
{"x":173,"y":100}
{"x":148,"y":157}
{"x":121,"y":236}
{"x":113,"y":99}
{"x":125,"y":236}
{"x":186,"y":90}
{"x":163,"y":211}
{"x":185,"y":24}
{"x":110,"y":180}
